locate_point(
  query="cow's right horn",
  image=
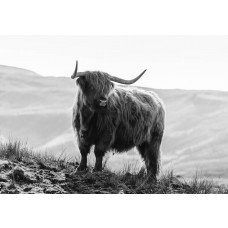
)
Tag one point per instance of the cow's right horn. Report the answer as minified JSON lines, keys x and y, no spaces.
{"x":77,"y":74}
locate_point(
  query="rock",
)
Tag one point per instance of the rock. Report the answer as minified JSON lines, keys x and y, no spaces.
{"x":3,"y":186}
{"x":46,"y":181}
{"x":28,"y":188}
{"x":43,"y":166}
{"x":10,"y":191}
{"x":38,"y":177}
{"x":59,"y":178}
{"x":104,"y":192}
{"x":4,"y":164}
{"x":54,"y":190}
{"x":11,"y":186}
{"x":41,"y":172}
{"x":177,"y":184}
{"x":17,"y":173}
{"x":3,"y":178}
{"x":51,"y":173}
{"x":30,"y":177}
{"x":36,"y":190}
{"x":99,"y":192}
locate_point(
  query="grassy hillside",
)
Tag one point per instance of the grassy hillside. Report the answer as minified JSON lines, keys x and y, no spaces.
{"x":38,"y":110}
{"x":22,"y":171}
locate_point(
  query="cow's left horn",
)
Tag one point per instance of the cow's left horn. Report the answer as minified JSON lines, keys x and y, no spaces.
{"x":123,"y":81}
{"x":77,"y":74}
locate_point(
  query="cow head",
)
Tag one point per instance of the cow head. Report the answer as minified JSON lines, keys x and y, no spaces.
{"x":96,"y":87}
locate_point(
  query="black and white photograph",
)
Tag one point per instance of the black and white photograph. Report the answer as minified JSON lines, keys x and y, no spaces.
{"x":114,"y":114}
{"x":114,"y":107}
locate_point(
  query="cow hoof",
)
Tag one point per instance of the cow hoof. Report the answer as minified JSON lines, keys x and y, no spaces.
{"x":81,"y":168}
{"x":97,"y":169}
{"x":151,"y":179}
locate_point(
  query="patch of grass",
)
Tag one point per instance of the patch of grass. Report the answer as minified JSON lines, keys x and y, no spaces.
{"x":202,"y":185}
{"x":15,"y":151}
{"x":168,"y":183}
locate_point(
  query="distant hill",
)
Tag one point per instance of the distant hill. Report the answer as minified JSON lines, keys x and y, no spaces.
{"x":37,"y":110}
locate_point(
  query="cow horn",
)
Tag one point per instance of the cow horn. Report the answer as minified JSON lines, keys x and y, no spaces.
{"x":77,"y":74}
{"x":123,"y":81}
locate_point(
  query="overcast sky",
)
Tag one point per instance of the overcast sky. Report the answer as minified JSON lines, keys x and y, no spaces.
{"x":185,"y":62}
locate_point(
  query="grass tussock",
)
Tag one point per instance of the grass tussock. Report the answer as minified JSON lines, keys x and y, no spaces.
{"x":45,"y":173}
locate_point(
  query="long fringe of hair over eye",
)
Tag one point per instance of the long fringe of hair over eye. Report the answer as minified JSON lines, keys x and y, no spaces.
{"x":99,"y":81}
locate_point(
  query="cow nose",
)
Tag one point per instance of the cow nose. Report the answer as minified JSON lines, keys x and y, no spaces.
{"x":102,"y":102}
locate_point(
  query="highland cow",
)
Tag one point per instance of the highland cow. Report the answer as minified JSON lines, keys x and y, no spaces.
{"x":116,"y":118}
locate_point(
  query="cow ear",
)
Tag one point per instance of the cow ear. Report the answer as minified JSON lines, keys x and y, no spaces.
{"x":82,"y":83}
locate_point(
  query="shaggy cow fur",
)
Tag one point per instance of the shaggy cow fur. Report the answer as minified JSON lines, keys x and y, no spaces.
{"x":130,"y":118}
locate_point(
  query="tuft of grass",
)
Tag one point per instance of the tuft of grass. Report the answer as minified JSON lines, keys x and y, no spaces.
{"x":168,"y":183}
{"x":201,"y":185}
{"x":15,"y":151}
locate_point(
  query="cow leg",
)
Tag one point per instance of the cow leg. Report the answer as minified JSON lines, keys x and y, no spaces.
{"x":84,"y":150}
{"x":150,"y":152}
{"x":99,"y":157}
{"x":153,"y":159}
{"x":103,"y":146}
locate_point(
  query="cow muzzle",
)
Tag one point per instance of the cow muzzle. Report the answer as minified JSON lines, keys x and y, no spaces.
{"x":102,"y":102}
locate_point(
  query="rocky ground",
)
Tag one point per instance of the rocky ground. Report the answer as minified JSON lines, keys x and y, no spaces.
{"x":19,"y":177}
{"x":36,"y":177}
{"x":22,"y":171}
